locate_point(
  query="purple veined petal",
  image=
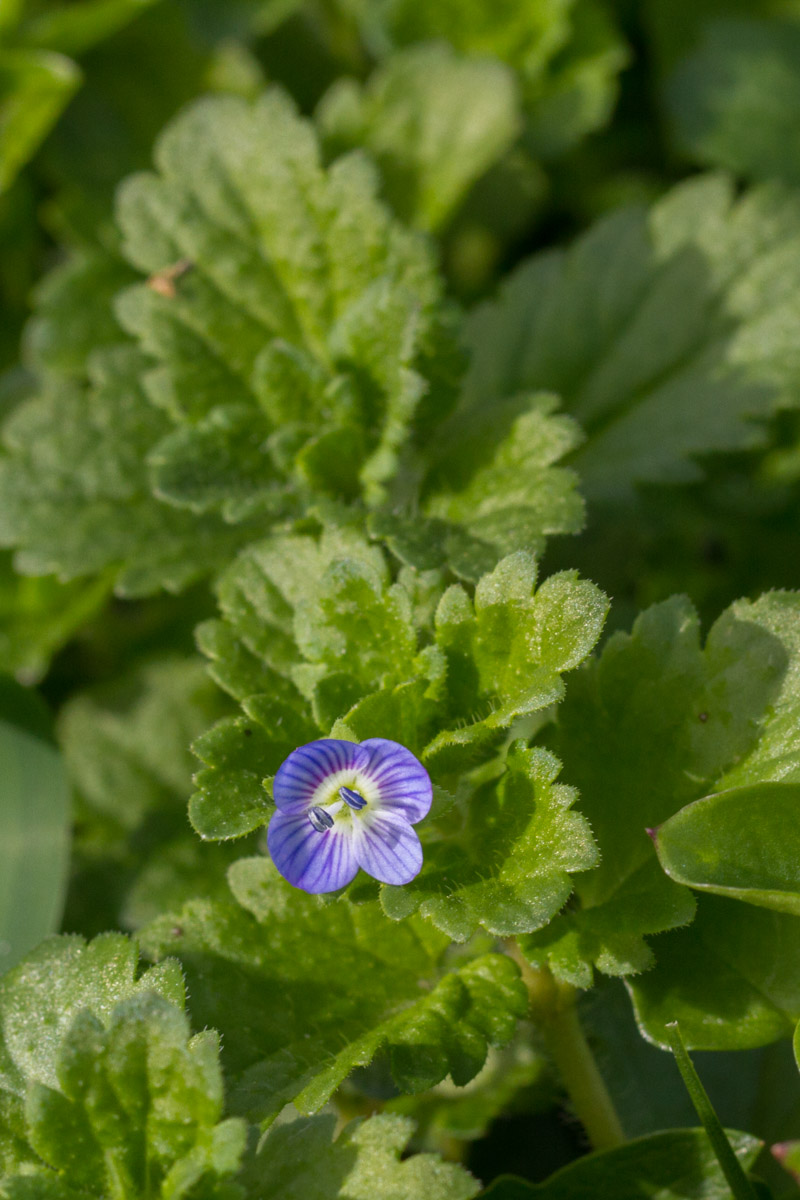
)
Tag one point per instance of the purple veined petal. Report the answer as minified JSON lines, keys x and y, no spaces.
{"x":313,"y":767}
{"x":315,"y":862}
{"x":388,"y":848}
{"x":404,"y":784}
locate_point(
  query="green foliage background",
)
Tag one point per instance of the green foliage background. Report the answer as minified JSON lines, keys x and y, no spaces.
{"x":371,"y":368}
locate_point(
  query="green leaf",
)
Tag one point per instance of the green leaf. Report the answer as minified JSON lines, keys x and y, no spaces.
{"x":34,"y":831}
{"x":301,"y":656}
{"x":652,"y":725}
{"x":292,"y":339}
{"x":35,"y":86}
{"x":80,"y":26}
{"x":739,"y":843}
{"x":509,"y":868}
{"x":653,"y":379}
{"x":288,"y":261}
{"x":76,"y":494}
{"x":137,"y":1106}
{"x":126,"y":745}
{"x":506,"y":651}
{"x":567,"y":56}
{"x":298,"y":1159}
{"x":678,"y":1164}
{"x":38,"y":616}
{"x":495,"y":488}
{"x":731,"y":979}
{"x":73,"y":315}
{"x":386,"y":991}
{"x":433,"y":121}
{"x":734,"y":101}
{"x":39,"y":1000}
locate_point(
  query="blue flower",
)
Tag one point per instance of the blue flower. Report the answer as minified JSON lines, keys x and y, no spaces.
{"x":345,"y":805}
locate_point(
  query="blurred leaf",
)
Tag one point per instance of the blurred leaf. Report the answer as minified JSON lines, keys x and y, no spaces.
{"x":567,"y":53}
{"x":35,"y":86}
{"x":74,"y":28}
{"x":666,"y":333}
{"x":38,"y":616}
{"x":297,"y":1161}
{"x":34,"y":832}
{"x":734,"y":102}
{"x":434,"y":122}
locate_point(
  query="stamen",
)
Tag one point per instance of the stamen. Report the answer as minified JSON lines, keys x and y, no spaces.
{"x":320,"y":819}
{"x":354,"y":799}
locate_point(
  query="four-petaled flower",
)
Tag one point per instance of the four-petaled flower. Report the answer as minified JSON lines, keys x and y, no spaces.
{"x":345,"y":805}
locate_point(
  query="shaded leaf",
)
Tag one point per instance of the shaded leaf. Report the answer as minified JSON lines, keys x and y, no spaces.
{"x":433,"y":121}
{"x":678,"y":1164}
{"x":654,"y":379}
{"x":386,"y":991}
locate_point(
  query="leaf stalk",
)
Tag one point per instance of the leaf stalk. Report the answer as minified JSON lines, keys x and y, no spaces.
{"x":554,"y":1012}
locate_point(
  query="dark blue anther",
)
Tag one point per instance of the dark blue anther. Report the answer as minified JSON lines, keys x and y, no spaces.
{"x":354,"y":799}
{"x":320,"y":819}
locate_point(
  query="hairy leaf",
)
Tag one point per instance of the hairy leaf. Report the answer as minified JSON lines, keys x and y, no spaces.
{"x":344,"y":654}
{"x":298,"y":1159}
{"x":39,"y":1000}
{"x":495,"y":487}
{"x":386,"y":991}
{"x":508,"y":868}
{"x":665,"y":332}
{"x":654,"y":724}
{"x":138,"y":1105}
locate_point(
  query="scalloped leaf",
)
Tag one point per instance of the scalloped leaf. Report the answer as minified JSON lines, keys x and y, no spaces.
{"x":665,"y":332}
{"x":656,"y":722}
{"x":386,"y":990}
{"x":433,"y":121}
{"x":299,"y":1159}
{"x":138,"y":1105}
{"x":508,"y":867}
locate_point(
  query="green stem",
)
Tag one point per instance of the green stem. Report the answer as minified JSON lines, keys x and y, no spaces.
{"x":554,"y":1011}
{"x":732,"y":1169}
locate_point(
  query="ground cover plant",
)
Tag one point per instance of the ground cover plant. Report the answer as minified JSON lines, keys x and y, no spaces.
{"x":399,"y":599}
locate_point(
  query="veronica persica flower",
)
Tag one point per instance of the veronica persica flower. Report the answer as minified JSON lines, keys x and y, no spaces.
{"x":345,"y":805}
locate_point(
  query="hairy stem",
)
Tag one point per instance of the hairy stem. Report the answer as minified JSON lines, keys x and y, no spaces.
{"x":554,"y":1011}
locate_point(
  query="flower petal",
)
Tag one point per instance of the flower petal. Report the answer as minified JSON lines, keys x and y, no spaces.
{"x":315,"y":862}
{"x":404,"y":784}
{"x":388,"y":848}
{"x":311,"y":767}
